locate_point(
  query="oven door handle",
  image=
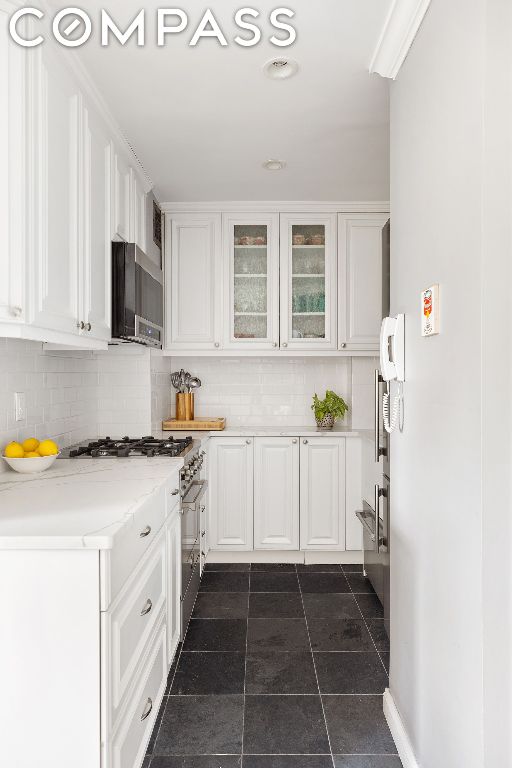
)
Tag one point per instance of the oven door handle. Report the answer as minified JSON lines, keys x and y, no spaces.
{"x":194,"y":495}
{"x":363,"y":520}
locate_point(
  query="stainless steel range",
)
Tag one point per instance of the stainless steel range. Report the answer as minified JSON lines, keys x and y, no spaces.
{"x":193,"y":487}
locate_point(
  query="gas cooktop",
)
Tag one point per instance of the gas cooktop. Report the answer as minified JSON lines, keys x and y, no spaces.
{"x":128,"y":447}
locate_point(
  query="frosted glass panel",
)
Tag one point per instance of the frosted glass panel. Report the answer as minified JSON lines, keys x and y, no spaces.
{"x":308,"y":281}
{"x":250,"y":281}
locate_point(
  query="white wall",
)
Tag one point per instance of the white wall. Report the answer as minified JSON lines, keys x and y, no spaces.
{"x":445,"y":499}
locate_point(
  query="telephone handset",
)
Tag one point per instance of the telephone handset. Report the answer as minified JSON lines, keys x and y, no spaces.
{"x":392,"y":364}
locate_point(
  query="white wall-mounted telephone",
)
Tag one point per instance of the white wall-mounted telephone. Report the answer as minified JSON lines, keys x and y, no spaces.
{"x":392,"y":365}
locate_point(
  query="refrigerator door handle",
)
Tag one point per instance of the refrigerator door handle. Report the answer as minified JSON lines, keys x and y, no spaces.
{"x":377,"y":381}
{"x":377,"y":492}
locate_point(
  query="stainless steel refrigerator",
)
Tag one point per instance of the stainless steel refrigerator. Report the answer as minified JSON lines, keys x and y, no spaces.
{"x":375,"y":515}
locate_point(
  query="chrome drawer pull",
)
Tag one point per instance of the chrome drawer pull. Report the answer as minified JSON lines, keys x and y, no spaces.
{"x":147,"y":607}
{"x":145,"y":532}
{"x":175,"y":492}
{"x":147,"y":709}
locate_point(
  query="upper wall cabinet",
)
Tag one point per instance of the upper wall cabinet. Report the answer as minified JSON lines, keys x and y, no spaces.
{"x":121,"y":196}
{"x":138,"y":211}
{"x":251,"y":273}
{"x":193,"y":269}
{"x":308,"y":281}
{"x":360,"y":284}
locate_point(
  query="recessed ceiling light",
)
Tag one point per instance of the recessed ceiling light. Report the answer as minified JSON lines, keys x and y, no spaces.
{"x":280,"y":69}
{"x":274,"y":165}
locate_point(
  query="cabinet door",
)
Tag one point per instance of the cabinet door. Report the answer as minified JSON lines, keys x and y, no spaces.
{"x":138,"y":213}
{"x":121,"y":197}
{"x":251,"y":273}
{"x":173,"y":584}
{"x":231,"y":493}
{"x":55,"y":182}
{"x":276,"y":493}
{"x":95,"y":271}
{"x":193,"y":293}
{"x":360,"y":299}
{"x":308,"y":282}
{"x":322,"y":493}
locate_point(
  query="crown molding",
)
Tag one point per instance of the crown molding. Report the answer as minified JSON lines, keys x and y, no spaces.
{"x":400,"y":28}
{"x":277,"y":206}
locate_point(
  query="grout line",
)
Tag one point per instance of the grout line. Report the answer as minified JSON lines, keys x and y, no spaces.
{"x":245,"y":668}
{"x":316,"y":675}
{"x":368,"y":628}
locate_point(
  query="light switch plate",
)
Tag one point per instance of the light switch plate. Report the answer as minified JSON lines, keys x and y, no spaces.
{"x":20,"y":408}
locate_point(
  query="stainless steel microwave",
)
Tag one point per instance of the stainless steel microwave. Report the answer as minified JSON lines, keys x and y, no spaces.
{"x":137,"y":296}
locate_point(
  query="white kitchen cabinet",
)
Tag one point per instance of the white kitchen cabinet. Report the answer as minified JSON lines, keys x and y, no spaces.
{"x":95,"y":243}
{"x":308,"y":281}
{"x":231,"y":493}
{"x":54,"y":183}
{"x":138,"y":211}
{"x":322,"y":493}
{"x":173,"y":584}
{"x":276,"y":493}
{"x":360,"y":305}
{"x":251,"y":275}
{"x":121,"y":196}
{"x":193,"y":288}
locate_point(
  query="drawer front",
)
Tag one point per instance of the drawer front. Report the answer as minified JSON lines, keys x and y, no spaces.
{"x":132,"y":619}
{"x":131,"y":738}
{"x":173,"y":492}
{"x":136,"y":538}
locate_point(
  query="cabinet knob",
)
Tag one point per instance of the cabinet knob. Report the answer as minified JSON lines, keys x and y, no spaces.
{"x":285,"y":344}
{"x":175,"y":492}
{"x":343,"y":345}
{"x":294,"y":441}
{"x":88,"y":327}
{"x":305,"y":442}
{"x":81,"y":325}
{"x":216,"y":345}
{"x":274,"y":344}
{"x":248,"y":442}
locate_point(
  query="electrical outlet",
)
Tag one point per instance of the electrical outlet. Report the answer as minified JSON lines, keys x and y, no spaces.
{"x":20,"y":407}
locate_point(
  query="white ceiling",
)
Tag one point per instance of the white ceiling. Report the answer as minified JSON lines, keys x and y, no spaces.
{"x":203,"y":120}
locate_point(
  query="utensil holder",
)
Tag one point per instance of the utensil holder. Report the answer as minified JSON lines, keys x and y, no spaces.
{"x":184,"y":406}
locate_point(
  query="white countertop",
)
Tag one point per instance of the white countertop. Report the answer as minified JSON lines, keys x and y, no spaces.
{"x":273,"y":431}
{"x":77,"y":503}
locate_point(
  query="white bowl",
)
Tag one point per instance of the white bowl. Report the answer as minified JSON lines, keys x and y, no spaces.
{"x":29,"y":466}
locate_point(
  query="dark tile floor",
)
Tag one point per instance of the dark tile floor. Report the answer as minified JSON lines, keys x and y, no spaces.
{"x":282,"y":666}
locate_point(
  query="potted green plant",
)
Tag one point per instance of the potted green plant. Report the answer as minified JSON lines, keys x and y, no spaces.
{"x":328,"y":410}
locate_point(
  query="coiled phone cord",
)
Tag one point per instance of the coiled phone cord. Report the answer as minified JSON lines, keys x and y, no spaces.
{"x":397,"y":412}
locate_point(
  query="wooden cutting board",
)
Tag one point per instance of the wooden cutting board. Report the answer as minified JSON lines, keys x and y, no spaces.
{"x":203,"y":424}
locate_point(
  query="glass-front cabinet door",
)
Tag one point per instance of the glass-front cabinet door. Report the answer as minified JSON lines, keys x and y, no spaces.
{"x":252,"y":273}
{"x":308,"y":281}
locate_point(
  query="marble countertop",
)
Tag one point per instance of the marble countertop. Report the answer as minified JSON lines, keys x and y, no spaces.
{"x":77,"y":504}
{"x":273,"y":431}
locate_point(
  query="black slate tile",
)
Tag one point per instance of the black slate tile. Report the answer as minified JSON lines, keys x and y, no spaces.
{"x":217,"y":605}
{"x":379,"y":634}
{"x":227,"y":567}
{"x":273,"y":567}
{"x":349,"y":672}
{"x":323,"y":582}
{"x":209,"y":673}
{"x":370,"y":606}
{"x":357,"y":725}
{"x":360,"y":584}
{"x":198,"y":761}
{"x":280,"y":672}
{"x":269,"y":605}
{"x":274,"y":582}
{"x":385,"y":660}
{"x":203,"y":725}
{"x":367,"y":761}
{"x":339,"y":635}
{"x":352,"y":567}
{"x":331,"y":606}
{"x":216,"y":635}
{"x":277,"y":635}
{"x":146,"y":762}
{"x":287,"y":761}
{"x":284,"y":725}
{"x":220,"y":581}
{"x":319,"y":568}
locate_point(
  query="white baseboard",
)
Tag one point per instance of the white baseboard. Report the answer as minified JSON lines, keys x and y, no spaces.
{"x":398,"y":732}
{"x":283,"y":556}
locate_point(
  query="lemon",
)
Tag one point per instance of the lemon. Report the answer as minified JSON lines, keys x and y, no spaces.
{"x":14,"y":451}
{"x":31,"y":455}
{"x":30,"y":445}
{"x":48,"y":448}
